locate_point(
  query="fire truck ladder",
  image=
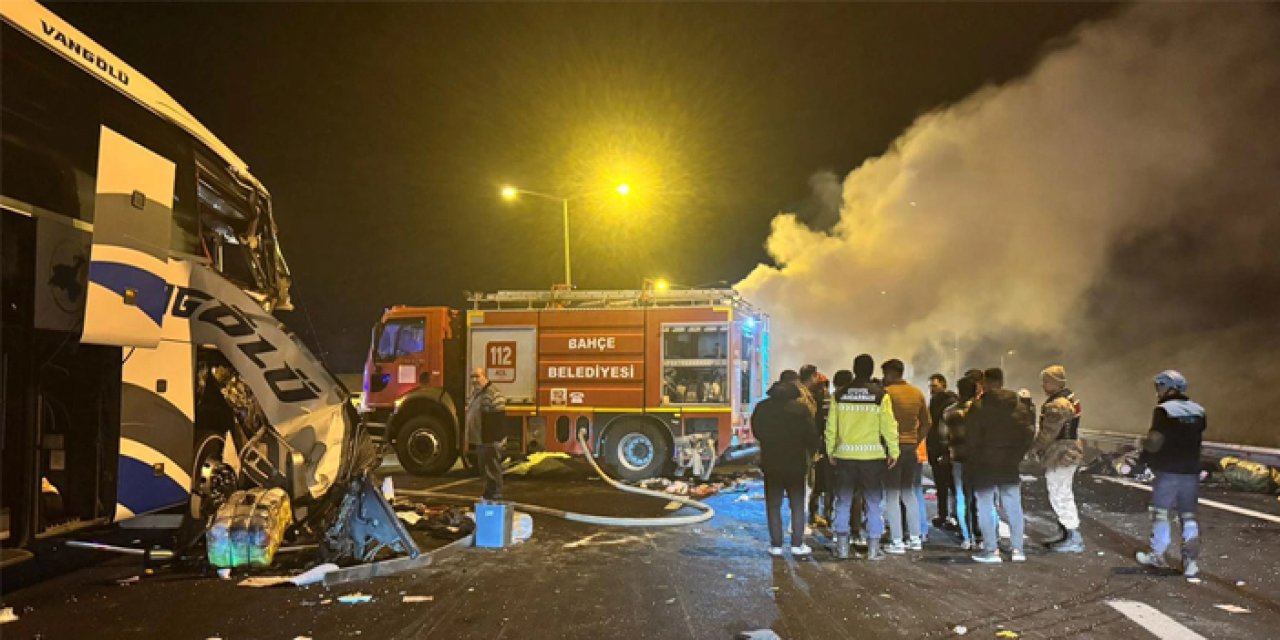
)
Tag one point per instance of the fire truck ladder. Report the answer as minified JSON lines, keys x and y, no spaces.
{"x":609,"y":299}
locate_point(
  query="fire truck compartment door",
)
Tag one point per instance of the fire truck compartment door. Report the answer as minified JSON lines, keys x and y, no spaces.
{"x":509,"y":357}
{"x":132,"y":218}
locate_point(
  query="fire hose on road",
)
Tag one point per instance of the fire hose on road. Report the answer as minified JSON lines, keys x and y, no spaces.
{"x":608,"y":521}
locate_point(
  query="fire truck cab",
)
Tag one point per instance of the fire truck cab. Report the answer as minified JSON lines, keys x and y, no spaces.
{"x":653,"y":380}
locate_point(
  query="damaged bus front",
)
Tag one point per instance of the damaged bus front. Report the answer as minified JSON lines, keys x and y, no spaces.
{"x":142,"y":366}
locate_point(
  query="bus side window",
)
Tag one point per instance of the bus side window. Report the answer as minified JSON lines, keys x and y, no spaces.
{"x":50,"y":136}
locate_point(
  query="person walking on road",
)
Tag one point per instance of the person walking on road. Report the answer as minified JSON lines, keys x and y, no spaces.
{"x":1000,"y":430}
{"x":485,"y":418}
{"x":935,"y":447}
{"x":1059,"y":448}
{"x":911,"y":412}
{"x":862,"y":443}
{"x":783,"y":426}
{"x":1172,"y":451}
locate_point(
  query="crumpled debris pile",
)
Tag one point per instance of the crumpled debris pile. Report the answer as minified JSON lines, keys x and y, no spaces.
{"x":1123,"y":464}
{"x":735,"y":483}
{"x":439,"y":521}
{"x":1244,"y":475}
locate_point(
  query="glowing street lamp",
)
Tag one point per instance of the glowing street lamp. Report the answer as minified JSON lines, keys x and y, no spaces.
{"x":511,"y":193}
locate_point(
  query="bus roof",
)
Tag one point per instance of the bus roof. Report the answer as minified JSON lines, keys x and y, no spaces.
{"x":45,"y":27}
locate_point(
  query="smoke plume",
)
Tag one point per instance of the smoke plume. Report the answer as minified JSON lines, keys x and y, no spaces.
{"x":1116,"y":210}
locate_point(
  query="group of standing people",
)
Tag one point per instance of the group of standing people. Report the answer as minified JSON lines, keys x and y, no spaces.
{"x":855,"y":458}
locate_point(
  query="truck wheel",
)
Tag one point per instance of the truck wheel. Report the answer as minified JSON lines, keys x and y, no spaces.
{"x":425,"y":446}
{"x":636,"y":451}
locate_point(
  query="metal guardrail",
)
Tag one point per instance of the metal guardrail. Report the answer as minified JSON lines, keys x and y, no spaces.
{"x":1114,"y":439}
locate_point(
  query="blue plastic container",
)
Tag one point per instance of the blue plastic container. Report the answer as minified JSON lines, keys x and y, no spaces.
{"x":493,"y":524}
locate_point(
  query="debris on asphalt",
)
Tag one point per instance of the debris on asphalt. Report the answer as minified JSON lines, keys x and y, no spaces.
{"x":543,"y":464}
{"x":1240,"y":583}
{"x":671,"y":600}
{"x":1005,"y":633}
{"x":128,"y":581}
{"x":1194,"y":580}
{"x":308,"y":577}
{"x":1244,"y":475}
{"x":417,"y":599}
{"x":248,"y":528}
{"x":758,"y":634}
{"x":678,"y":488}
{"x":355,"y":598}
{"x":742,"y":498}
{"x":437,"y":520}
{"x":728,"y":576}
{"x":960,"y":629}
{"x":7,"y":615}
{"x":1231,"y":608}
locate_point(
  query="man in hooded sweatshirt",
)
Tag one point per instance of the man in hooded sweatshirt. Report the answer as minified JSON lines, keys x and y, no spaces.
{"x":1172,"y":451}
{"x":862,"y":443}
{"x":999,"y":428}
{"x":783,"y":425}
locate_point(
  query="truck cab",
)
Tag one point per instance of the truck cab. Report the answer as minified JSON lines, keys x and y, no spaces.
{"x":415,"y":385}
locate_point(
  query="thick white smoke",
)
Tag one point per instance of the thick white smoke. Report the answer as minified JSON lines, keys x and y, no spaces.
{"x":1076,"y":214}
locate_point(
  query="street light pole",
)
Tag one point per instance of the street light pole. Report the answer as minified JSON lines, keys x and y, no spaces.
{"x":511,"y":193}
{"x":568,"y":273}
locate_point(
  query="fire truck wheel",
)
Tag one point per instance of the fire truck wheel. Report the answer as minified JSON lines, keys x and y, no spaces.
{"x":636,"y":450}
{"x":425,"y":446}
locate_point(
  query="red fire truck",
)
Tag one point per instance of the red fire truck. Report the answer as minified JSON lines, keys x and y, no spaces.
{"x":653,"y":379}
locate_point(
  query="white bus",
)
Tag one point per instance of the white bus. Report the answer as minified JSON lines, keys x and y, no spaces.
{"x":140,"y":270}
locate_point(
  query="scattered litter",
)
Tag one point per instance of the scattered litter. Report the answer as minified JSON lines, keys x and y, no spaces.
{"x":743,"y":498}
{"x":728,"y":576}
{"x":1239,"y":583}
{"x":1244,"y":475}
{"x":417,"y":599}
{"x":678,"y":488}
{"x":1222,"y":557}
{"x":960,"y":629}
{"x":388,"y":489}
{"x":7,"y":615}
{"x":673,"y":505}
{"x":410,"y":518}
{"x":671,"y":600}
{"x":1026,"y":478}
{"x":1231,"y":608}
{"x":1194,"y":580}
{"x":886,"y":595}
{"x":775,"y":588}
{"x":1005,"y":633}
{"x":307,"y":637}
{"x":1102,"y":553}
{"x":128,"y":581}
{"x":355,"y":598}
{"x":308,"y":577}
{"x":470,"y":589}
{"x":758,"y":634}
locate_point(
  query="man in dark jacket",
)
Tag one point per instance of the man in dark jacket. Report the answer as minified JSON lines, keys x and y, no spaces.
{"x":1000,"y":429}
{"x":486,"y":413}
{"x":783,"y":425}
{"x":939,"y":458}
{"x":1172,"y":451}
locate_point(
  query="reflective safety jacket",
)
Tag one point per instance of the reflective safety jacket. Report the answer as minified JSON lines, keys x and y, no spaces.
{"x":860,"y":425}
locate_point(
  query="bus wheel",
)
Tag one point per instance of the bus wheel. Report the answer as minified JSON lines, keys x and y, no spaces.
{"x":425,"y":446}
{"x":636,"y":450}
{"x":207,"y":458}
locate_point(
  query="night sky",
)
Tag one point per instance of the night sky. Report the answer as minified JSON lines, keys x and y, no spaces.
{"x":385,"y":131}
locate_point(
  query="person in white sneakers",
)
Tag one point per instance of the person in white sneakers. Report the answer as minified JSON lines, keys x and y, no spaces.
{"x":783,"y":425}
{"x":1172,"y":450}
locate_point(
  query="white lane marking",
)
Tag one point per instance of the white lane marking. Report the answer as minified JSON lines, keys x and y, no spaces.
{"x":1205,"y":501}
{"x":1149,"y":618}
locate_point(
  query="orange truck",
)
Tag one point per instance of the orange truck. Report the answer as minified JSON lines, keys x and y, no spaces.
{"x":654,"y":381}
